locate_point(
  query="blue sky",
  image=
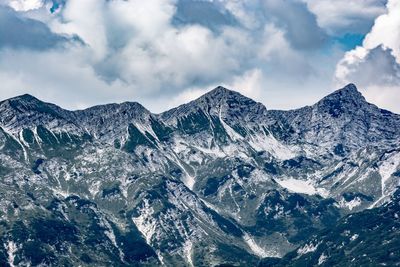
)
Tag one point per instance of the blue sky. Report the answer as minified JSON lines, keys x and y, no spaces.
{"x":161,"y":53}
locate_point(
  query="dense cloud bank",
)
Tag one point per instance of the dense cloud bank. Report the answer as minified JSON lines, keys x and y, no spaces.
{"x":164,"y":52}
{"x":375,"y":65}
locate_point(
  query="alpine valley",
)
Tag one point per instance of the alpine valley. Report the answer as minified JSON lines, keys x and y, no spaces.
{"x":220,"y":181}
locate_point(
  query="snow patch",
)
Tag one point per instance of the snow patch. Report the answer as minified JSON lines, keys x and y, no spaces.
{"x":270,"y":144}
{"x":145,"y":222}
{"x":94,"y":188}
{"x":232,"y":134}
{"x":256,"y":249}
{"x":322,"y":259}
{"x":146,"y":129}
{"x":179,"y":147}
{"x":188,"y":252}
{"x":387,"y":168}
{"x":60,"y":192}
{"x":11,"y":248}
{"x":298,"y":186}
{"x":354,"y":237}
{"x":188,"y":180}
{"x":214,"y":151}
{"x":21,"y":137}
{"x":17,"y":140}
{"x":307,"y":249}
{"x":323,"y":192}
{"x":354,"y":203}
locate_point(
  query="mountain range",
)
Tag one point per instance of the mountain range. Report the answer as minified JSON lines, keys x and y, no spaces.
{"x":219,"y":181}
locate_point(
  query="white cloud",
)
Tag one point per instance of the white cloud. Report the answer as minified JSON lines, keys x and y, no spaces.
{"x":25,"y":5}
{"x":58,"y":76}
{"x":350,"y":59}
{"x":250,"y":84}
{"x":386,"y":30}
{"x":135,"y":43}
{"x":136,"y":50}
{"x":293,"y":17}
{"x":375,"y":66}
{"x":86,"y":20}
{"x":383,"y":96}
{"x":346,"y":16}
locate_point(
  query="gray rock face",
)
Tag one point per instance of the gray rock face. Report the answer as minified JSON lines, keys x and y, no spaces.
{"x":220,"y":180}
{"x":344,"y":117}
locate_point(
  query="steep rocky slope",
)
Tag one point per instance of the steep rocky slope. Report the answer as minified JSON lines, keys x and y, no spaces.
{"x":220,"y":180}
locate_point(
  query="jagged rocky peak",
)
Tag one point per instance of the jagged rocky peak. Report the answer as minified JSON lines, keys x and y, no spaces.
{"x":112,"y":120}
{"x":347,"y":99}
{"x":29,"y":103}
{"x":26,"y":97}
{"x":114,"y":115}
{"x":119,"y":106}
{"x":26,"y":111}
{"x":349,"y":90}
{"x":25,"y":101}
{"x":220,"y":92}
{"x":221,"y":95}
{"x":115,"y":110}
{"x":219,"y":102}
{"x":343,"y":117}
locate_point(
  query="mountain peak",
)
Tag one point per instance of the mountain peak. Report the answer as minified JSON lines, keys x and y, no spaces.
{"x":26,"y":97}
{"x":217,"y":97}
{"x":350,"y":91}
{"x":221,"y":89}
{"x":112,"y":116}
{"x":122,"y":107}
{"x":351,"y":87}
{"x":23,"y":99}
{"x":27,"y":102}
{"x":220,"y":96}
{"x":221,"y":92}
{"x":346,"y":100}
{"x":217,"y":102}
